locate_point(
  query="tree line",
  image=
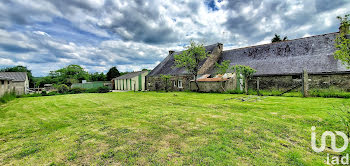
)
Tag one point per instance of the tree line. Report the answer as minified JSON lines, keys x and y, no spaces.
{"x":67,"y":75}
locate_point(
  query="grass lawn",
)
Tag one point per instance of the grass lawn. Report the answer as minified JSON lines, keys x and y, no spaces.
{"x":164,"y":128}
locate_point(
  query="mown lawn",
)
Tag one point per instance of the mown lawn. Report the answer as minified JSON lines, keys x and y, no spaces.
{"x":148,"y":128}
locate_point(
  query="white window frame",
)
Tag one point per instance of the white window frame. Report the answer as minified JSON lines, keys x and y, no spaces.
{"x":179,"y":84}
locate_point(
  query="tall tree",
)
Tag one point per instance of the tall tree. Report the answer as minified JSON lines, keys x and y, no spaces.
{"x":190,"y":59}
{"x":277,"y":38}
{"x":70,"y":74}
{"x":21,"y":69}
{"x":342,"y":41}
{"x":112,"y":73}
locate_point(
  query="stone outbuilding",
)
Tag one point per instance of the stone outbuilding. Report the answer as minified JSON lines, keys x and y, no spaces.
{"x":6,"y":85}
{"x":180,"y":79}
{"x":20,"y":81}
{"x":134,"y":81}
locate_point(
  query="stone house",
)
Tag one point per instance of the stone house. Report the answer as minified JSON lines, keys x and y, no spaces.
{"x":20,"y":81}
{"x":6,"y":85}
{"x":279,"y":66}
{"x":134,"y":81}
{"x":180,"y":79}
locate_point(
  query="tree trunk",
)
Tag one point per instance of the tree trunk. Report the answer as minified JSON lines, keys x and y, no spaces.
{"x":166,"y":85}
{"x":246,"y":85}
{"x":195,"y":81}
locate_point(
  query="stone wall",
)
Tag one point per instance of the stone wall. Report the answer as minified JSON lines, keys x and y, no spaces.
{"x":155,"y":83}
{"x":214,"y":86}
{"x":20,"y":88}
{"x":316,"y":81}
{"x":5,"y":87}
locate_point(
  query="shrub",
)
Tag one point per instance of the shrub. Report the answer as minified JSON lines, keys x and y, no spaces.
{"x":44,"y":93}
{"x":52,"y":94}
{"x":103,"y":89}
{"x":77,"y":90}
{"x":234,"y":92}
{"x":7,"y":97}
{"x":329,"y":93}
{"x":62,"y":88}
{"x":30,"y":95}
{"x":92,"y":90}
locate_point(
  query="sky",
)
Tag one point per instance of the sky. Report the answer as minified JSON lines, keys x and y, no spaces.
{"x":46,"y":35}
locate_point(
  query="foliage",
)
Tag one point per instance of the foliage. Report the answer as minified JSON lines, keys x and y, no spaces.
{"x":21,"y":69}
{"x":344,"y":116}
{"x":76,"y":90}
{"x":236,"y":91}
{"x":190,"y":59}
{"x":7,"y":97}
{"x":98,"y":77}
{"x":342,"y":43}
{"x":31,"y":95}
{"x":165,"y":79}
{"x":69,"y":75}
{"x":329,"y":93}
{"x":103,"y":89}
{"x":62,"y":88}
{"x":277,"y":38}
{"x":223,"y":67}
{"x":112,"y":73}
{"x":246,"y":71}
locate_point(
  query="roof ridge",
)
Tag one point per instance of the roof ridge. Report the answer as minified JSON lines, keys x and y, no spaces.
{"x":280,"y":41}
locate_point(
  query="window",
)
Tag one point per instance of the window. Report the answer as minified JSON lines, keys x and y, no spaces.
{"x":179,"y":83}
{"x":174,"y":82}
{"x":2,"y":82}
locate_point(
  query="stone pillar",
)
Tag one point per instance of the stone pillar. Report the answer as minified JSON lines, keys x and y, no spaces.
{"x":305,"y":83}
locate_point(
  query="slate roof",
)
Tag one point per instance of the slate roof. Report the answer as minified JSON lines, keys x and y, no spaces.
{"x":314,"y":53}
{"x":166,"y":67}
{"x":130,"y":75}
{"x":15,"y":76}
{"x":5,"y":78}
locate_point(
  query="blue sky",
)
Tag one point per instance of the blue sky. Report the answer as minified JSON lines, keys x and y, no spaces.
{"x":46,"y":35}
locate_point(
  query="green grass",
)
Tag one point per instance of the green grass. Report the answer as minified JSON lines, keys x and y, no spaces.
{"x":7,"y":97}
{"x":164,"y":128}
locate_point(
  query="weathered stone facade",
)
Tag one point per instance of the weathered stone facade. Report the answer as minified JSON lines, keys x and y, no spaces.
{"x":316,"y":81}
{"x":155,"y":83}
{"x":279,"y":65}
{"x":215,"y":86}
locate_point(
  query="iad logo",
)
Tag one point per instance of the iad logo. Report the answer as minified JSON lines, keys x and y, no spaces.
{"x":323,"y":140}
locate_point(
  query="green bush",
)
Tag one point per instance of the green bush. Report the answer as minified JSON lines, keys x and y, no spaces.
{"x":7,"y":97}
{"x":62,"y":88}
{"x":44,"y":93}
{"x":77,"y":90}
{"x":329,"y":93}
{"x":234,"y":92}
{"x":30,"y":95}
{"x":52,"y":93}
{"x":103,"y":89}
{"x":92,"y":90}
